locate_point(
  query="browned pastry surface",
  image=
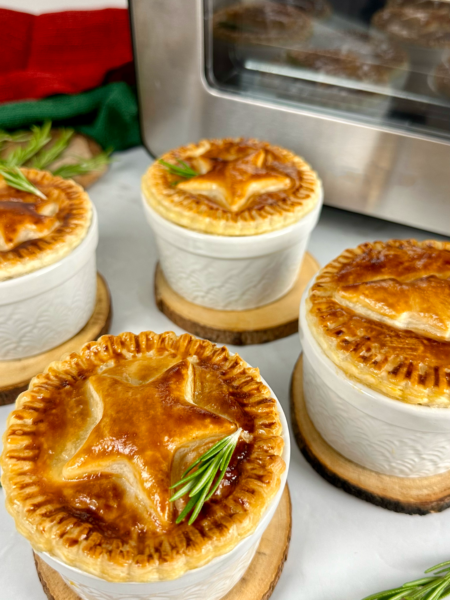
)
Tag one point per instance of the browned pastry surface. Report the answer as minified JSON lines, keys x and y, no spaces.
{"x":243,"y":187}
{"x":415,"y":24}
{"x":35,"y":232}
{"x":444,"y":7}
{"x":375,"y":49}
{"x":359,"y":57}
{"x":95,"y":443}
{"x":264,"y":23}
{"x":381,"y":313}
{"x":339,"y":63}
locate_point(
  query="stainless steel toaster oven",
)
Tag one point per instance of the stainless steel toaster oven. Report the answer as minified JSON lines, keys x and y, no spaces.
{"x":360,"y":88}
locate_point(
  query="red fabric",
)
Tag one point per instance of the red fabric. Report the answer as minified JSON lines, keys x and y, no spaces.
{"x":60,"y":53}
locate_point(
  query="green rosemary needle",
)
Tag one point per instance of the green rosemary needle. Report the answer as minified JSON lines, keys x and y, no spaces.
{"x":202,"y":483}
{"x":49,"y":154}
{"x":431,"y":587}
{"x":16,"y":179}
{"x":181,"y":170}
{"x":84,"y":165}
{"x":16,"y":136}
{"x":39,"y":137}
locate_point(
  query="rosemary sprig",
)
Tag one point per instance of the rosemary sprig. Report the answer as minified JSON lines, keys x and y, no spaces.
{"x":431,"y":587}
{"x":16,"y":136}
{"x":181,"y":170}
{"x":202,"y":483}
{"x":16,"y":179}
{"x":48,"y":155}
{"x":85,"y":165}
{"x":39,"y":137}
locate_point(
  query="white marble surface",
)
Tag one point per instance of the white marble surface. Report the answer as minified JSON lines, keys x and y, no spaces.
{"x":342,"y":548}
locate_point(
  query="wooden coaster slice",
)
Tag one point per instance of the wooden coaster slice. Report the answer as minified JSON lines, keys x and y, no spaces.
{"x":258,"y":582}
{"x":81,"y":147}
{"x":239,"y":327}
{"x":15,"y":375}
{"x":410,"y":495}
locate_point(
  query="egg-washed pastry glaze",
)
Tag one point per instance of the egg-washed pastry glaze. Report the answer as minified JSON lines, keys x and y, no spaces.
{"x":95,"y":443}
{"x":243,"y":187}
{"x":261,"y":23}
{"x":34,"y":232}
{"x":381,"y":313}
{"x":416,"y":24}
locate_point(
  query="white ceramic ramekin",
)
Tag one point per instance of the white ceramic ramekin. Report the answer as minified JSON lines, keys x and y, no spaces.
{"x":231,"y":272}
{"x":45,"y":308}
{"x":211,"y":582}
{"x":369,"y":428}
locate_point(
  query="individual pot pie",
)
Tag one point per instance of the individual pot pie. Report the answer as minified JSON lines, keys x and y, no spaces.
{"x":381,"y":313}
{"x":36,"y":232}
{"x":261,"y":23}
{"x":421,"y":25}
{"x":348,"y":55}
{"x":373,"y":60}
{"x":94,"y":445}
{"x":243,"y":187}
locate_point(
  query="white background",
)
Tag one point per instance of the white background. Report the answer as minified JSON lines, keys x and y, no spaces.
{"x":342,"y":548}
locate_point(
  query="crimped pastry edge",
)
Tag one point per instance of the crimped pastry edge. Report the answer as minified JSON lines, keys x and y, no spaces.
{"x":215,"y":220}
{"x":45,"y":251}
{"x":409,"y":391}
{"x":233,"y":523}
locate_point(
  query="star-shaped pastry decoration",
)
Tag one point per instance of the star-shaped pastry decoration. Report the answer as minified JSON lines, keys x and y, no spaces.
{"x":22,"y":221}
{"x":143,"y":416}
{"x":232,"y":184}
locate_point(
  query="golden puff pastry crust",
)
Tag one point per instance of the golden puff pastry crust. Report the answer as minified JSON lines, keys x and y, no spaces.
{"x":243,"y":187}
{"x":95,"y":443}
{"x":381,"y":313}
{"x":35,"y":233}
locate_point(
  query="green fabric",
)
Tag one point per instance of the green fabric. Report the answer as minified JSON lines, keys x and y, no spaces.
{"x":109,"y":114}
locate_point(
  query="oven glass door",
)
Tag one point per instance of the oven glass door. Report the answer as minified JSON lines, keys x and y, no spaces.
{"x":383,"y":62}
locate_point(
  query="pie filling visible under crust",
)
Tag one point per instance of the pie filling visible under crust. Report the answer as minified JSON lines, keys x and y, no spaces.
{"x":95,"y":443}
{"x":381,"y":313}
{"x":34,"y":232}
{"x":243,"y":187}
